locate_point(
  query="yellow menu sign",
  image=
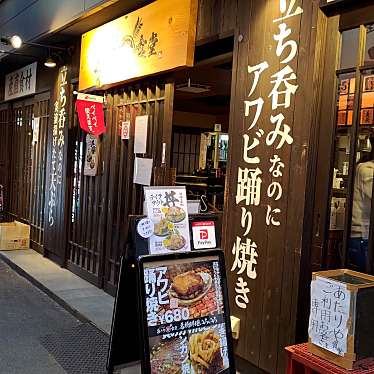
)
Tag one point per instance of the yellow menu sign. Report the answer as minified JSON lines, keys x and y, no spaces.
{"x":156,"y":38}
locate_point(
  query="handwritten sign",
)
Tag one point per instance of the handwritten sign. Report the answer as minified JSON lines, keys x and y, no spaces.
{"x":329,"y":315}
{"x":21,"y":82}
{"x":250,"y":186}
{"x":145,"y":228}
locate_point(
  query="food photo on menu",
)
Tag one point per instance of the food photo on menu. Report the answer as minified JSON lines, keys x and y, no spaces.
{"x":167,"y":208}
{"x":203,"y":351}
{"x":186,"y":328}
{"x":166,"y":229}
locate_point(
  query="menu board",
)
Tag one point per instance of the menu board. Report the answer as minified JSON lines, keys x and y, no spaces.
{"x":186,"y":316}
{"x":167,"y":208}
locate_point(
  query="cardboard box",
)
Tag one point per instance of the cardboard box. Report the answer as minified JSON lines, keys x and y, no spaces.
{"x":14,"y":235}
{"x":358,"y":288}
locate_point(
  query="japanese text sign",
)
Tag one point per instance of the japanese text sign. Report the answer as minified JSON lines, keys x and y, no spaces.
{"x":329,"y":315}
{"x":185,"y":314}
{"x":21,"y":82}
{"x":167,"y":208}
{"x":152,"y":39}
{"x":59,"y":134}
{"x":91,"y":113}
{"x":254,"y":171}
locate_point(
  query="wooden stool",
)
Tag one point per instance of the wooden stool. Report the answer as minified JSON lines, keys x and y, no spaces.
{"x":301,"y":361}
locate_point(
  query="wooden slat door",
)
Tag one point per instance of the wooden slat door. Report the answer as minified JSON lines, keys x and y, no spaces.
{"x":24,"y":163}
{"x":5,"y":130}
{"x":100,"y":206}
{"x":20,"y":167}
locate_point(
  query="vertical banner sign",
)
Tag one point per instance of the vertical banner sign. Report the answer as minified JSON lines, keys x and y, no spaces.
{"x":56,"y":163}
{"x":91,"y":113}
{"x":167,"y":208}
{"x":250,"y":186}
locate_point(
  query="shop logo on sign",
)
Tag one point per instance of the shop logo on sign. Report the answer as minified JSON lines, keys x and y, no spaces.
{"x":204,"y":235}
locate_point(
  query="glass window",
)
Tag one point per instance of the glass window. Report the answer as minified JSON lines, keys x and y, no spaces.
{"x":369,"y":48}
{"x":367,"y":101}
{"x":343,"y":136}
{"x":346,"y":92}
{"x":349,"y":51}
{"x":363,"y":181}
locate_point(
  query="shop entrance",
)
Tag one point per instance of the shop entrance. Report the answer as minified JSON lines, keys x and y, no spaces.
{"x":23,"y":163}
{"x":200,"y":138}
{"x":99,"y":207}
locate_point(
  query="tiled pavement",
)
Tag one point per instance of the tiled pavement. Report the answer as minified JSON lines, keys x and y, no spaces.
{"x":78,"y":296}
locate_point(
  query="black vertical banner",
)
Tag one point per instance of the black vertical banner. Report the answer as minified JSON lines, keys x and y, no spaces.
{"x":55,"y":188}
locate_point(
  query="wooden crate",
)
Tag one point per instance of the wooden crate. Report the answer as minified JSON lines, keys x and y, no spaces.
{"x":14,"y":235}
{"x":360,"y":324}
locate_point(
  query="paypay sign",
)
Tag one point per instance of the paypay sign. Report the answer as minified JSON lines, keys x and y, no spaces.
{"x":204,"y":235}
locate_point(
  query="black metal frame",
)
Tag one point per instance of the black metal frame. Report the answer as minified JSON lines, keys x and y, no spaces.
{"x":146,"y":368}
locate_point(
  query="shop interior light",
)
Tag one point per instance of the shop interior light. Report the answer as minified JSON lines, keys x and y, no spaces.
{"x":50,"y":62}
{"x":15,"y":41}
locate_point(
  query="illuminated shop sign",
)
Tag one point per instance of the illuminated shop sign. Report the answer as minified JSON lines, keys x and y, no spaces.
{"x":153,"y":39}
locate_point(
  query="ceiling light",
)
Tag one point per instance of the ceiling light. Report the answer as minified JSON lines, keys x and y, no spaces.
{"x":50,"y":62}
{"x":15,"y":41}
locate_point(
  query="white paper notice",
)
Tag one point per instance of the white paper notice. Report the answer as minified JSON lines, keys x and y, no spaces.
{"x":35,"y":129}
{"x":329,"y":315}
{"x":141,"y":130}
{"x":143,"y":171}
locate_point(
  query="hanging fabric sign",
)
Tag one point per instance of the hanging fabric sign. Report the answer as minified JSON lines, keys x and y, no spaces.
{"x":91,"y":113}
{"x":91,"y":160}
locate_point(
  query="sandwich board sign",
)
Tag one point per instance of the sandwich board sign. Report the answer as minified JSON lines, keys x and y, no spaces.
{"x":176,"y":311}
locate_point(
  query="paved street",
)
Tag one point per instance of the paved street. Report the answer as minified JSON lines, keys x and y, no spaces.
{"x":38,"y":336}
